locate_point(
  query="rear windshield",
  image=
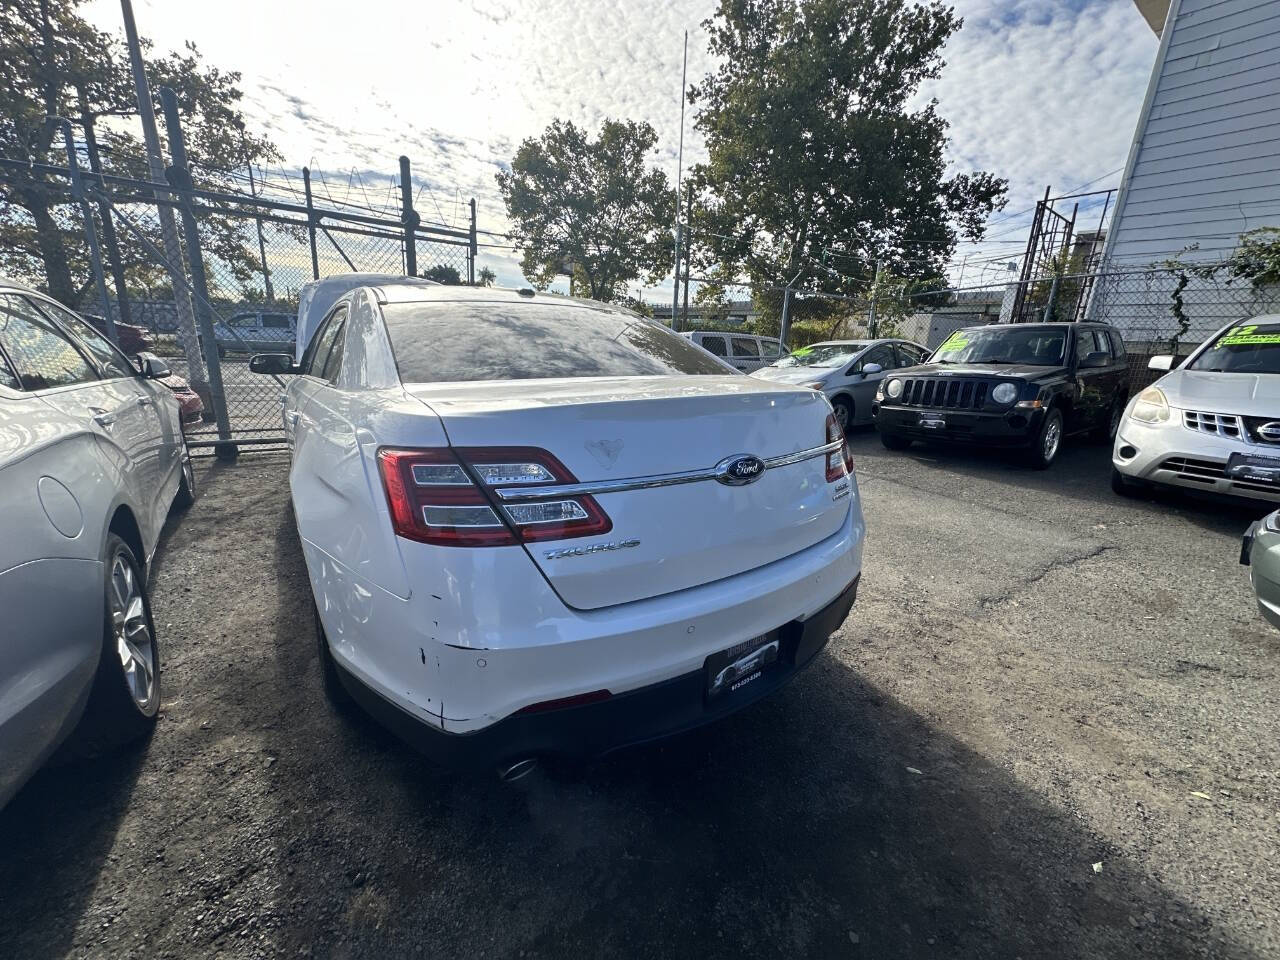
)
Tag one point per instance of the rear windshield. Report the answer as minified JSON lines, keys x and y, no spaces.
{"x":1248,"y":348}
{"x":446,"y":342}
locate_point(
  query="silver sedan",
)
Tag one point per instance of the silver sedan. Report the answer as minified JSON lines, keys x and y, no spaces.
{"x":91,"y":458}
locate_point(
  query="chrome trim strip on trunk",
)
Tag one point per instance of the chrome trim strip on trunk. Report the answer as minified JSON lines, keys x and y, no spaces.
{"x":559,"y":491}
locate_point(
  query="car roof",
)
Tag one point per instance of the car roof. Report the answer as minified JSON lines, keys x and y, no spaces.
{"x":440,"y":293}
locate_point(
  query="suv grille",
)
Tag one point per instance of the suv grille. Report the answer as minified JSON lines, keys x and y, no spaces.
{"x":1221,"y":424}
{"x":951,"y":392}
{"x":1209,"y":472}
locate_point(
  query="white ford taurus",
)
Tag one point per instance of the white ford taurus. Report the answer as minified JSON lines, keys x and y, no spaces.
{"x":538,"y":525}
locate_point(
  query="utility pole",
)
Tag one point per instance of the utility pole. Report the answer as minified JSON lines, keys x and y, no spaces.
{"x":180,"y":179}
{"x":409,"y":218}
{"x":871,"y":314}
{"x":675,"y":287}
{"x":262,"y":244}
{"x":196,"y":374}
{"x":688,"y":249}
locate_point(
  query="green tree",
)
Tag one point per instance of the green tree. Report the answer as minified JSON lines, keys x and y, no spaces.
{"x":443,"y":273}
{"x":52,"y":62}
{"x":485,"y":277}
{"x":817,"y":148}
{"x":590,"y":207}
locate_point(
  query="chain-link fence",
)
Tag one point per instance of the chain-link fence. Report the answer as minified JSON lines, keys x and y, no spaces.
{"x":1167,"y":309}
{"x":206,"y":278}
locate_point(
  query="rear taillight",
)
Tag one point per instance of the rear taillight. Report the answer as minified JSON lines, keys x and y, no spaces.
{"x":445,"y":496}
{"x":839,"y":462}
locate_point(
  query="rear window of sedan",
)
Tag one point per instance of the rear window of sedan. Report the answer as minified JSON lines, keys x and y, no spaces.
{"x":448,"y":342}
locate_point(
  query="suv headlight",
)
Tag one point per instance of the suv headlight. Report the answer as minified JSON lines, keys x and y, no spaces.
{"x":1151,"y":406}
{"x":894,"y":389}
{"x":1005,"y":393}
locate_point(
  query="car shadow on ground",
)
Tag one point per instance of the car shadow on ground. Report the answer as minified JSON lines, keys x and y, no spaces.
{"x":826,"y":816}
{"x":1081,"y":472}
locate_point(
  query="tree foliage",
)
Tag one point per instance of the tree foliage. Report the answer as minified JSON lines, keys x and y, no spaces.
{"x":817,"y":147}
{"x":52,"y":62}
{"x":590,"y":207}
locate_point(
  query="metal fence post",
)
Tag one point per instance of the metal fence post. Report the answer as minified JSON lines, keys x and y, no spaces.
{"x":180,"y":178}
{"x":784,"y":328}
{"x":471,"y":261}
{"x":311,"y":223}
{"x":410,"y":220}
{"x":90,"y":234}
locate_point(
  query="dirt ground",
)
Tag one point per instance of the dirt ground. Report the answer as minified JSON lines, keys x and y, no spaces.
{"x":1049,"y":728}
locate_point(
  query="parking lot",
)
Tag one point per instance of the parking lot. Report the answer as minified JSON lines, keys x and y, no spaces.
{"x":1048,"y":729}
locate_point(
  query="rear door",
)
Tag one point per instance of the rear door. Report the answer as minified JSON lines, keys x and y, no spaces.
{"x":52,"y":365}
{"x":1094,"y":385}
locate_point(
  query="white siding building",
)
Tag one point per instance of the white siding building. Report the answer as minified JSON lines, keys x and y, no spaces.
{"x":1204,"y":166}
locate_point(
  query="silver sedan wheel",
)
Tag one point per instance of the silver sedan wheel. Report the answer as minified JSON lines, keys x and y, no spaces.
{"x":842,"y":415}
{"x":132,"y":631}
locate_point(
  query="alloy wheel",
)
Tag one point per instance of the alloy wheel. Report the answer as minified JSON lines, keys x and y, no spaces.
{"x":842,"y":415}
{"x":1114,"y":426}
{"x":1052,"y":439}
{"x":131,"y":629}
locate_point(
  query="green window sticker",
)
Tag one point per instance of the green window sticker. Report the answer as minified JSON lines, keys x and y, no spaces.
{"x":1247,"y":336}
{"x":802,"y":352}
{"x":954,"y":343}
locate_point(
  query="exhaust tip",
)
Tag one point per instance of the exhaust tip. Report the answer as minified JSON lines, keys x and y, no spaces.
{"x":518,"y":770}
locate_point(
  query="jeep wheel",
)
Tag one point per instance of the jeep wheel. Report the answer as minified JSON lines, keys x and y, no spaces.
{"x":1106,"y":433}
{"x":1044,"y":449}
{"x":894,"y":441}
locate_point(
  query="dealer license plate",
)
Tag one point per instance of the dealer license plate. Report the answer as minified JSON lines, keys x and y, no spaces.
{"x":1255,"y":467}
{"x":742,"y":664}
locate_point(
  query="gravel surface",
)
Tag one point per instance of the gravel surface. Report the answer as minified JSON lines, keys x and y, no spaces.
{"x":1048,"y":729}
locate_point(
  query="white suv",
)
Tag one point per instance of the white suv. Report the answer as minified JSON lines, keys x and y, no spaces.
{"x":1212,"y":424}
{"x":742,"y":351}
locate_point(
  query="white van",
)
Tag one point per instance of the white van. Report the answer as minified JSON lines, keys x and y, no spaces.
{"x":745,"y":351}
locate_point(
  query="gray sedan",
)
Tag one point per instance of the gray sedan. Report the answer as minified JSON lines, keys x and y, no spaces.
{"x":91,"y":458}
{"x":847,"y":371}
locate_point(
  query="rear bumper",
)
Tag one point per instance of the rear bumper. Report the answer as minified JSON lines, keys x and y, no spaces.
{"x":648,"y":713}
{"x":1011,"y":428}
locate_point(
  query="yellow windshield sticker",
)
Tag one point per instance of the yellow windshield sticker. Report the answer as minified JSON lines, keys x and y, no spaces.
{"x":1247,"y":336}
{"x":954,"y":343}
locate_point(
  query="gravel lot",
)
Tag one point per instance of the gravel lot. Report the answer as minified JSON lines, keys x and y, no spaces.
{"x":1038,"y":677}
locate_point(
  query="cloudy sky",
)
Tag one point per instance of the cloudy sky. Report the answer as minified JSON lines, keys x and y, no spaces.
{"x":1038,"y":91}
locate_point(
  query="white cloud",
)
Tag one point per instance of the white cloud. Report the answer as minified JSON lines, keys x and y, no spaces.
{"x":1036,"y":91}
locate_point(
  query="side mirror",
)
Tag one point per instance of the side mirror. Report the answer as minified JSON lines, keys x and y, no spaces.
{"x":1096,"y":359}
{"x":152,"y":367}
{"x":870,"y":368}
{"x":1162,"y":362}
{"x":272,"y":363}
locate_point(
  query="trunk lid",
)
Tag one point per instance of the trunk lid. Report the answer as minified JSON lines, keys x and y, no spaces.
{"x":671,"y":537}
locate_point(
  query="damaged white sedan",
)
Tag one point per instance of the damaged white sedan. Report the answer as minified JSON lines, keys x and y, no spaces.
{"x":537,"y":525}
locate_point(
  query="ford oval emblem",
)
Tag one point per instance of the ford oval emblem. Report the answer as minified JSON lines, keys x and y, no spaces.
{"x":740,"y":470}
{"x":1270,"y":431}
